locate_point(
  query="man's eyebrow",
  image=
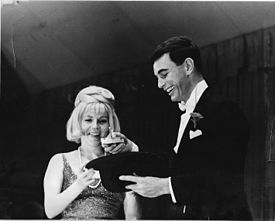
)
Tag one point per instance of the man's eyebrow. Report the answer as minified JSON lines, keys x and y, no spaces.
{"x":162,"y":70}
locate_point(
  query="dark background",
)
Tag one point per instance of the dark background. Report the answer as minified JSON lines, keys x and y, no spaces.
{"x":50,"y":51}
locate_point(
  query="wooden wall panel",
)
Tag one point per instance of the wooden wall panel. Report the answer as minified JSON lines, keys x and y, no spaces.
{"x":209,"y":66}
{"x":253,"y":50}
{"x":269,"y":45}
{"x":240,"y":65}
{"x":269,"y":103}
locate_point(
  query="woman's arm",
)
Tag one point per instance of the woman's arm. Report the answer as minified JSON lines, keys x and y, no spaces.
{"x":132,"y":208}
{"x":56,"y":201}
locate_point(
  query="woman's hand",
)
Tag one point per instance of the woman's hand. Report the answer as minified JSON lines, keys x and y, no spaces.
{"x":126,"y":146}
{"x":85,"y":177}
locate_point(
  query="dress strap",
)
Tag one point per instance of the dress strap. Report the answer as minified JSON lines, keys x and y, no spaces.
{"x":65,"y":161}
{"x":67,"y":167}
{"x":64,"y":158}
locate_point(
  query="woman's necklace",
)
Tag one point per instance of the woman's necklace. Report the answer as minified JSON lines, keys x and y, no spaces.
{"x":96,"y":177}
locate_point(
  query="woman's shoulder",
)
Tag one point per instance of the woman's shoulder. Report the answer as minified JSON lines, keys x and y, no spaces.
{"x":62,"y":154}
{"x":58,"y":160}
{"x":59,"y":157}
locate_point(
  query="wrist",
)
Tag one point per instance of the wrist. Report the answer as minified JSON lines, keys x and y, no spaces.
{"x":129,"y":145}
{"x":80,"y":184}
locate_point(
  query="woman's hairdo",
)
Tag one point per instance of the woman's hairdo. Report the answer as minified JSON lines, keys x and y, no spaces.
{"x":91,"y":96}
{"x":94,"y":94}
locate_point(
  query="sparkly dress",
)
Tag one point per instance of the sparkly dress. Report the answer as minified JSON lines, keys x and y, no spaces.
{"x":96,"y":203}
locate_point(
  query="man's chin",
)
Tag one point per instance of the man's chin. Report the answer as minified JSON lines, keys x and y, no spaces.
{"x":174,"y":99}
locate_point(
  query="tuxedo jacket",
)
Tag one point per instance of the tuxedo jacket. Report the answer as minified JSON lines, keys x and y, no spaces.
{"x":207,"y":172}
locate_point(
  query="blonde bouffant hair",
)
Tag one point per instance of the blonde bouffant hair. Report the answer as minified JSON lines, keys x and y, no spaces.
{"x":96,"y":98}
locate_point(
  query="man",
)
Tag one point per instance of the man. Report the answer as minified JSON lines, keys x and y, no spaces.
{"x":207,"y":161}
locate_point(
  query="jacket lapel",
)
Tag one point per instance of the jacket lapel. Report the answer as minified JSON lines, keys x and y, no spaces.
{"x":202,"y":107}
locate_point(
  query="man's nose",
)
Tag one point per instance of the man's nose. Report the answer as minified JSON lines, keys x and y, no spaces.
{"x":160,"y":83}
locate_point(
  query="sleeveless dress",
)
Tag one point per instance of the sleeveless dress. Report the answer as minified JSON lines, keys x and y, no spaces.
{"x":97,"y":203}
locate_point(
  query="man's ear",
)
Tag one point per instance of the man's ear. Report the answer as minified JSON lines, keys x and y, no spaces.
{"x":189,"y":65}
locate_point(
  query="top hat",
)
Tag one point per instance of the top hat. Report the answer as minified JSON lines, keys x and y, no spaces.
{"x":127,"y":163}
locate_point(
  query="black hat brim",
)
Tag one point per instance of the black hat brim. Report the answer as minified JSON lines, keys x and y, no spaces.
{"x":128,"y":163}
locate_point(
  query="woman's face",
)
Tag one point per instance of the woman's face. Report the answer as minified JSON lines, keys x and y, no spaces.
{"x":95,"y":123}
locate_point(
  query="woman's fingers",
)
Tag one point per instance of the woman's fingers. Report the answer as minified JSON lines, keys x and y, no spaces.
{"x":117,"y":148}
{"x":109,"y":148}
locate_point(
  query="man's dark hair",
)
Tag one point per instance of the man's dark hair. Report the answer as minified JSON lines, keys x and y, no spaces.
{"x":179,"y":48}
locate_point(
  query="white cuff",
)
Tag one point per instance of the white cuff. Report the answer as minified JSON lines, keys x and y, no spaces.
{"x":171,"y":191}
{"x":134,"y":147}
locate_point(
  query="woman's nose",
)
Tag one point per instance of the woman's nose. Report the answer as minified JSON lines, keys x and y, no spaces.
{"x":94,"y":124}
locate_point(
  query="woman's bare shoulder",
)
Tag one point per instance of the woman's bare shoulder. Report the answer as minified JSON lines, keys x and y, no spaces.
{"x":57,"y":160}
{"x":59,"y":156}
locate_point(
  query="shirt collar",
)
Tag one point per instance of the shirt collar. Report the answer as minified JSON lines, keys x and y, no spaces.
{"x":197,"y":92}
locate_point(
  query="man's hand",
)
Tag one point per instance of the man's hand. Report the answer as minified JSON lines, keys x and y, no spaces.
{"x":147,"y":186}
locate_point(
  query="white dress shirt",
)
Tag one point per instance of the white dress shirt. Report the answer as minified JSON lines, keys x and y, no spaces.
{"x":188,"y":107}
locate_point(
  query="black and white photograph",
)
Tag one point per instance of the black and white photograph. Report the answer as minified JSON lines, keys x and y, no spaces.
{"x":126,"y":110}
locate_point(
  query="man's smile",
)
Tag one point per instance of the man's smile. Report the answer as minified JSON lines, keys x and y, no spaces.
{"x":169,"y":90}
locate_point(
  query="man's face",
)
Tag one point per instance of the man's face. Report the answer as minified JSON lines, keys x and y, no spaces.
{"x":172,"y":78}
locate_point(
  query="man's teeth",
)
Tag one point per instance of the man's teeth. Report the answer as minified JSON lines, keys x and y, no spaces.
{"x":169,"y":89}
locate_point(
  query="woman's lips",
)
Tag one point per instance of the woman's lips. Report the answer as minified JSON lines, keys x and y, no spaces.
{"x":96,"y":134}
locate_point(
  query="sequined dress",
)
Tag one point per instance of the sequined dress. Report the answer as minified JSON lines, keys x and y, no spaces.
{"x":96,"y":203}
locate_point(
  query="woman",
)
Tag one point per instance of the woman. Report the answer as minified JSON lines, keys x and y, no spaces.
{"x":74,"y":191}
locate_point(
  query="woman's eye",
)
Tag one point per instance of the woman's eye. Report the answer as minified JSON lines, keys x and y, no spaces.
{"x":88,"y":120}
{"x":103,"y":121}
